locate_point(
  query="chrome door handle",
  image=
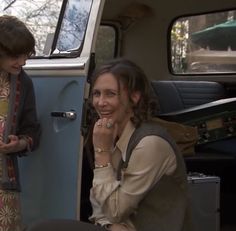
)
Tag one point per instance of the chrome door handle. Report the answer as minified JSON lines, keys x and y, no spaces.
{"x":71,"y":115}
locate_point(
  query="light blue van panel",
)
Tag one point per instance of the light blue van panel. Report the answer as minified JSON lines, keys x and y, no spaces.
{"x":49,"y":175}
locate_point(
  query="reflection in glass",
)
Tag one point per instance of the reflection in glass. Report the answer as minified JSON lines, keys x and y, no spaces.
{"x":204,"y":43}
{"x":73,"y":26}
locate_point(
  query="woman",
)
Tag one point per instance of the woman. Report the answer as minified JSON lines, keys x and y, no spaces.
{"x":151,"y":191}
{"x":19,"y":128}
{"x":120,"y":96}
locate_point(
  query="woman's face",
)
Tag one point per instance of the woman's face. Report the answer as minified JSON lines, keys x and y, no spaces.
{"x":111,"y":102}
{"x":13,"y":64}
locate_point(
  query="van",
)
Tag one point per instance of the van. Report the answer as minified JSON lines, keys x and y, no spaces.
{"x":173,"y":41}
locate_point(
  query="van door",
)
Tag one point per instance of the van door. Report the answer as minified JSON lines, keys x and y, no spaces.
{"x":64,"y":33}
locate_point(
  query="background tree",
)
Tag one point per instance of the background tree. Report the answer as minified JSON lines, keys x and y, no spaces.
{"x":41,"y":16}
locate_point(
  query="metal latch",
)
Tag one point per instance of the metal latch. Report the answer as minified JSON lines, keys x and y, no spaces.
{"x":71,"y":115}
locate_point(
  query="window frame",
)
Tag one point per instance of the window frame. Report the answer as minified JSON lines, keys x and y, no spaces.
{"x":192,"y":73}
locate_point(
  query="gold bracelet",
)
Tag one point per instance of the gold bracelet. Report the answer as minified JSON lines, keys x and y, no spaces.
{"x":102,"y":165}
{"x":99,"y":150}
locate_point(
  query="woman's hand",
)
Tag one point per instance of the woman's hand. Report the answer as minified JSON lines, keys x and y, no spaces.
{"x":14,"y":145}
{"x":104,"y":134}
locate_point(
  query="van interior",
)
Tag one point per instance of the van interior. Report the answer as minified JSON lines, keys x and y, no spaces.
{"x":187,"y":50}
{"x":198,"y":90}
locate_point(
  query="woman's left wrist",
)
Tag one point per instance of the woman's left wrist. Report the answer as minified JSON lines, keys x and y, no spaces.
{"x":102,"y":165}
{"x":102,"y":150}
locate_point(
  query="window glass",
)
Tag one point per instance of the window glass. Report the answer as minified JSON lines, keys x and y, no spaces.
{"x":41,"y":17}
{"x":106,"y":44}
{"x":73,"y":26}
{"x":204,"y":43}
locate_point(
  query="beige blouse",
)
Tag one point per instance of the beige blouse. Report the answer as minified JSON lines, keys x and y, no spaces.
{"x":113,"y":201}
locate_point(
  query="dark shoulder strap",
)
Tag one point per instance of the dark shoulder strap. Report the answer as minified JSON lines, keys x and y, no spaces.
{"x":146,"y":129}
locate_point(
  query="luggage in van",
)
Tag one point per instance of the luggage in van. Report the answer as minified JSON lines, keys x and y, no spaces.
{"x":205,"y":198}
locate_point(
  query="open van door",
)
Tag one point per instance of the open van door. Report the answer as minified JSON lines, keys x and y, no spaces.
{"x":64,"y":33}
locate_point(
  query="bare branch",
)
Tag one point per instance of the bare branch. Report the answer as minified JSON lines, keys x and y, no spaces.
{"x":9,"y":5}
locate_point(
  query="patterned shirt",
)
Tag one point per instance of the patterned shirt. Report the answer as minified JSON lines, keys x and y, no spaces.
{"x":10,"y":218}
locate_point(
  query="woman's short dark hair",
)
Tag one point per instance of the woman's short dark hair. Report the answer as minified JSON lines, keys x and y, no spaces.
{"x":134,"y":79}
{"x":15,"y":37}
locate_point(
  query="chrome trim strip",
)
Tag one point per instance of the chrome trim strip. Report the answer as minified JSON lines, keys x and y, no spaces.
{"x":57,"y":66}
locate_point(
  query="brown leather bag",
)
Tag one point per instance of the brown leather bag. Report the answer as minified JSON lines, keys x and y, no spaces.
{"x":185,"y":136}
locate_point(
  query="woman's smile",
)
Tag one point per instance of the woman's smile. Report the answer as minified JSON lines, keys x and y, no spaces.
{"x":108,"y":102}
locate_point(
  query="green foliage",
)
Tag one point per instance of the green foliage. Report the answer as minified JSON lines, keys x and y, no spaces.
{"x":179,"y":41}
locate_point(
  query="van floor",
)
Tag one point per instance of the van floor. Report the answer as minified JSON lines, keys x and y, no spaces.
{"x":228,"y":205}
{"x":228,"y":228}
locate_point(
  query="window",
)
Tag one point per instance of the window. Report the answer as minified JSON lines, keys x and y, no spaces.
{"x":53,"y":35}
{"x":73,"y":27}
{"x":204,"y":44}
{"x":106,"y":44}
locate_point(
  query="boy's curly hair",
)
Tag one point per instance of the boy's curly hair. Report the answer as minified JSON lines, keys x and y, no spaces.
{"x":15,"y":39}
